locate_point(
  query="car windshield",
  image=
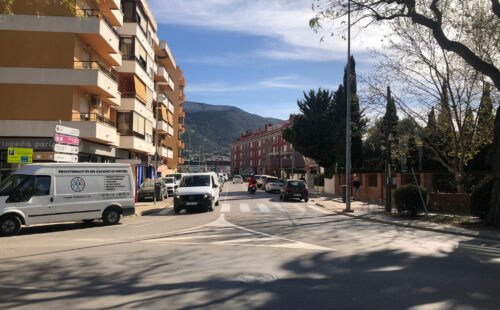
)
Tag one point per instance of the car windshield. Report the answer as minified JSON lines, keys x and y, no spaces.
{"x":16,"y":181}
{"x":177,"y":176}
{"x":238,"y":177}
{"x":195,"y":180}
{"x":169,"y":180}
{"x":272,"y":180}
{"x":296,"y":184}
{"x":148,"y":183}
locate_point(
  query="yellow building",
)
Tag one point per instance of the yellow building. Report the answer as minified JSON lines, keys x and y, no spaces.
{"x":98,"y":66}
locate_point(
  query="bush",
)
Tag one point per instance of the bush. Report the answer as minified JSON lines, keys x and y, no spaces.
{"x":480,"y":197}
{"x":319,"y":180}
{"x":408,"y":199}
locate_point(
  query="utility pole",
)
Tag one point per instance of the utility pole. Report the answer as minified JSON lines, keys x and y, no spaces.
{"x":348,"y":116}
{"x":156,"y":153}
{"x":388,"y":174}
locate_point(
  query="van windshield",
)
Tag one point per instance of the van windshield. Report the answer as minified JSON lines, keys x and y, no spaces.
{"x":16,"y":181}
{"x":195,"y":180}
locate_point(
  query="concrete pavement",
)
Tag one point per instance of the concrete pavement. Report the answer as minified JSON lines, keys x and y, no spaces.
{"x":374,"y":212}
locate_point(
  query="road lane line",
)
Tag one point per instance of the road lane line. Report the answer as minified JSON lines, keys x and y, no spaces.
{"x":263,"y":208}
{"x":244,"y":207}
{"x":225,"y":207}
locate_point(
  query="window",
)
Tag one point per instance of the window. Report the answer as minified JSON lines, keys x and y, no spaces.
{"x":127,"y":47}
{"x":141,"y":55}
{"x":42,"y":186}
{"x":149,"y":131}
{"x":139,"y":124}
{"x":128,"y":9}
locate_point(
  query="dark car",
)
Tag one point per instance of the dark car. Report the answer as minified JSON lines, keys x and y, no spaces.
{"x":149,"y":188}
{"x":294,"y":189}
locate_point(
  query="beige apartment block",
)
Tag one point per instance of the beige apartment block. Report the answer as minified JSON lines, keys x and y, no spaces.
{"x":98,"y":66}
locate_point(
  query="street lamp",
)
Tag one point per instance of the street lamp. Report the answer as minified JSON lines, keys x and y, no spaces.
{"x":348,"y":116}
{"x":388,"y":175}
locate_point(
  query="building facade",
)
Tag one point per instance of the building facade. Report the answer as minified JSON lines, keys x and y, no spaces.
{"x":98,"y":66}
{"x":264,"y":151}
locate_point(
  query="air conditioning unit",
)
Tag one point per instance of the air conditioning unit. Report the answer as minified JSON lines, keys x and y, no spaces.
{"x":96,"y":101}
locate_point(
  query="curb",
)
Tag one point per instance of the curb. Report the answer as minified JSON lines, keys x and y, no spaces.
{"x":408,"y":225}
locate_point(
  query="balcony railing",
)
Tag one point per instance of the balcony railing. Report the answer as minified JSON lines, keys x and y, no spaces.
{"x":95,"y":65}
{"x":93,"y":117}
{"x":98,"y":14}
{"x":130,"y":132}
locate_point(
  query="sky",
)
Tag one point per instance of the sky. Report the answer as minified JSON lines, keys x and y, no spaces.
{"x":258,"y":55}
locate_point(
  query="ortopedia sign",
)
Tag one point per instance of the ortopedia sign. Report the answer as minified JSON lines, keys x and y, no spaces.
{"x":17,"y":155}
{"x":67,"y":131}
{"x":66,"y":158}
{"x":59,"y":138}
{"x":69,"y":149}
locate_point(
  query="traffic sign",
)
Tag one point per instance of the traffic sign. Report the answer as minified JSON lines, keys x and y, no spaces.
{"x":58,"y":138}
{"x":69,"y":149}
{"x":65,"y":158}
{"x":67,"y":131}
{"x":18,"y":155}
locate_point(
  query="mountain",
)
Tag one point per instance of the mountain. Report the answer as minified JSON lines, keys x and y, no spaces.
{"x":219,"y":125}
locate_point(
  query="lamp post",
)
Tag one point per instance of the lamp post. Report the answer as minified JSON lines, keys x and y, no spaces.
{"x":348,"y":116}
{"x":388,"y":174}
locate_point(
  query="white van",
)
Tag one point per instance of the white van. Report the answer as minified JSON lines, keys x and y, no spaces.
{"x":197,"y":190}
{"x":52,"y":192}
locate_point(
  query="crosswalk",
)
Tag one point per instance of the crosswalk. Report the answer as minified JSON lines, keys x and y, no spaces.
{"x":269,"y":207}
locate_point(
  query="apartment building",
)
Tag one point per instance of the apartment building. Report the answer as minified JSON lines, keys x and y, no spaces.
{"x":264,"y":151}
{"x":98,"y":66}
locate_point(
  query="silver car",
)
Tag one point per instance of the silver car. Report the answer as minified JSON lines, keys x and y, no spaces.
{"x":273,"y":185}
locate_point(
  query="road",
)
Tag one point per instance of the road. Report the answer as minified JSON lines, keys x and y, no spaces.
{"x":252,"y":252}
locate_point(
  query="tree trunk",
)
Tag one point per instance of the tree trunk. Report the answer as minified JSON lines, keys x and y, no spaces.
{"x":493,"y":216}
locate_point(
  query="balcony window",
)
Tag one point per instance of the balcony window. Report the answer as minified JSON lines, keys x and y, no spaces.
{"x":132,"y":124}
{"x":127,"y":48}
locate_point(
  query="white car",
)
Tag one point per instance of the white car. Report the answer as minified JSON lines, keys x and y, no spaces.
{"x":171,"y":184}
{"x":273,"y":185}
{"x":197,"y":191}
{"x":237,"y":179}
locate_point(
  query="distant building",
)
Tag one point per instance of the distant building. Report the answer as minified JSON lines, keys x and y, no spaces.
{"x":264,"y":151}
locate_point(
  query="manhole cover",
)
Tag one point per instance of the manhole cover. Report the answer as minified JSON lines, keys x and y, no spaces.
{"x":256,"y":277}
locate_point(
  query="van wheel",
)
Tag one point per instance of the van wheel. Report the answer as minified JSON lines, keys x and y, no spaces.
{"x":111,"y":216}
{"x":217,"y":203}
{"x":10,"y":225}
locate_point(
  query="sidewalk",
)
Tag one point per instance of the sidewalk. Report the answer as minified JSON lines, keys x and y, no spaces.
{"x":149,"y":208}
{"x":375,"y":213}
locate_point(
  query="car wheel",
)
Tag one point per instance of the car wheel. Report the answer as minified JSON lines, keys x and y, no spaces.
{"x":306,"y":199}
{"x":285,"y":197}
{"x":217,"y":203}
{"x":111,"y":216}
{"x":10,"y":225}
{"x":177,"y":210}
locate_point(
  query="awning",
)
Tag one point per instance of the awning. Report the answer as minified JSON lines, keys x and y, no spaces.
{"x":140,"y":88}
{"x":163,"y":113}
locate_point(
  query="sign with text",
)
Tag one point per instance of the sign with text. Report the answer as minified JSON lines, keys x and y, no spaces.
{"x":66,"y":158}
{"x":59,"y":138}
{"x":67,"y":131}
{"x":16,"y":155}
{"x":69,"y":149}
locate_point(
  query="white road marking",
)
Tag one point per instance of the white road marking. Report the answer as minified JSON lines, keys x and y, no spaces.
{"x":244,"y":207}
{"x":263,"y":208}
{"x":225,"y":207}
{"x":279,"y":207}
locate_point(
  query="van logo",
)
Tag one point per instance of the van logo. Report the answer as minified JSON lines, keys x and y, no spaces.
{"x":77,"y":184}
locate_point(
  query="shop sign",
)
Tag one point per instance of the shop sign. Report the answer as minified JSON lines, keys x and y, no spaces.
{"x":58,"y":138}
{"x":16,"y":155}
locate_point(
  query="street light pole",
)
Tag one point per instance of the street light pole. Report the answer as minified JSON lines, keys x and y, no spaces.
{"x":156,"y":153}
{"x":348,"y":116}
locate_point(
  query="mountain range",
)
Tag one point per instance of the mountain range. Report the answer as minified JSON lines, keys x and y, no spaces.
{"x":212,"y":128}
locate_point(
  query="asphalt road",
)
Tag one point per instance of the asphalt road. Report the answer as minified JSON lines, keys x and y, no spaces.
{"x":252,"y":252}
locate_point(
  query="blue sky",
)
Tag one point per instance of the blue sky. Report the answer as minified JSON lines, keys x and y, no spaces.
{"x":258,"y":55}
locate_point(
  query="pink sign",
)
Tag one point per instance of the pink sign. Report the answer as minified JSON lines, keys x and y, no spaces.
{"x":58,"y":138}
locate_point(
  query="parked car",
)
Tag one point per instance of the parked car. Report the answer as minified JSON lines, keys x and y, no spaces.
{"x":150,"y":188}
{"x":197,"y":191}
{"x":171,"y":184}
{"x":53,"y":192}
{"x":294,"y":189}
{"x":177,"y":176}
{"x":237,"y":179}
{"x":258,"y":178}
{"x":273,"y":185}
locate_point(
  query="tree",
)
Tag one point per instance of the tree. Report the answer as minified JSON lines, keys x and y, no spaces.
{"x":479,"y":21}
{"x":312,"y":131}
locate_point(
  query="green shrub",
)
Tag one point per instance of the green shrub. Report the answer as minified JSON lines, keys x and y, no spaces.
{"x":319,"y":180}
{"x":480,"y":197}
{"x":408,"y":199}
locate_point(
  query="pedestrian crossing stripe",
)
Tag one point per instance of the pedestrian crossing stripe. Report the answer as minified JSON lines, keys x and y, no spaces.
{"x":225,"y":207}
{"x":263,"y":208}
{"x":268,"y":208}
{"x":244,"y":207}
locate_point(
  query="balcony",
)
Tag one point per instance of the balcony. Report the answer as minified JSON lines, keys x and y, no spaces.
{"x":90,"y":76}
{"x":133,"y":29}
{"x":131,"y":102}
{"x":163,"y":127}
{"x":180,"y":160}
{"x":131,"y":65}
{"x":162,"y":151}
{"x":134,"y":141}
{"x":88,"y":24}
{"x":161,"y":75}
{"x":95,"y":127}
{"x":166,"y":58}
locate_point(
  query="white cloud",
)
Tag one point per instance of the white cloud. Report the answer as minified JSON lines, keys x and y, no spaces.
{"x":284,"y":20}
